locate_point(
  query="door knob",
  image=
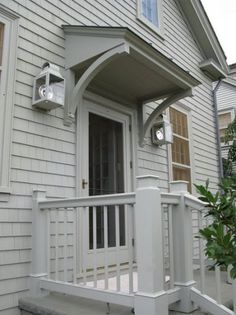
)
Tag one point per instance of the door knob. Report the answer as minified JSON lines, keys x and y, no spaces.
{"x":84,"y":183}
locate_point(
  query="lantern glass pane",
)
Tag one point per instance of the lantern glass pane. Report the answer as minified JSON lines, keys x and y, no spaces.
{"x":40,"y":88}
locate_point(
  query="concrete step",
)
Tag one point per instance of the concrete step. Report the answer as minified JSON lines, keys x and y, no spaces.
{"x":60,"y":304}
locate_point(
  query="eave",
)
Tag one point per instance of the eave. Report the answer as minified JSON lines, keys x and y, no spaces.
{"x":203,"y":32}
{"x":212,"y":70}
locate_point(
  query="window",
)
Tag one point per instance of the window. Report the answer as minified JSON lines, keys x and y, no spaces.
{"x":149,"y":12}
{"x":180,"y":148}
{"x":224,"y":120}
{"x":8,"y":39}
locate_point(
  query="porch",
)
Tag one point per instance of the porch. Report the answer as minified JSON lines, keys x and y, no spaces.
{"x":156,"y":268}
{"x":59,"y":304}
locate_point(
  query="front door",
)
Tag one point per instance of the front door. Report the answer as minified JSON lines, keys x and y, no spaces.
{"x":105,"y":170}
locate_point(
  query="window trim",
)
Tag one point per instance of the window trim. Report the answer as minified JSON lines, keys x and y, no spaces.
{"x":185,"y":110}
{"x":158,"y":29}
{"x":7,"y":94}
{"x":232,"y":115}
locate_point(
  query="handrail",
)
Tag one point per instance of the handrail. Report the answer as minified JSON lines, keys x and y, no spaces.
{"x":91,"y":201}
{"x":170,"y":198}
{"x":193,"y":202}
{"x":115,"y":199}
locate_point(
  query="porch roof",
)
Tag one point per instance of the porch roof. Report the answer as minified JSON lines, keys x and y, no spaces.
{"x":115,"y":62}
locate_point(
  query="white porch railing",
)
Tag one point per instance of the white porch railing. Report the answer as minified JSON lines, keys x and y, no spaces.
{"x":147,"y":264}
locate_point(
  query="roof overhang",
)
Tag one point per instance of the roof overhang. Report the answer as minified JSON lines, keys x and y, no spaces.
{"x":203,"y":32}
{"x":212,"y":70}
{"x":117,"y":63}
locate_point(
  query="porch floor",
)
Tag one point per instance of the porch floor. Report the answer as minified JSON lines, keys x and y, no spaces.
{"x":59,"y":304}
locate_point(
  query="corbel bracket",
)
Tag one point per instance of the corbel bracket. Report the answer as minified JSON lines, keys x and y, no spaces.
{"x":144,"y":128}
{"x":74,"y":95}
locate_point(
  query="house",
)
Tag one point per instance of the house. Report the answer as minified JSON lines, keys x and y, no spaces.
{"x":225,"y":95}
{"x":125,"y":63}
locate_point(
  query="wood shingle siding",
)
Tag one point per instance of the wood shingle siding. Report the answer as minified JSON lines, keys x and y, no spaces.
{"x":44,"y":150}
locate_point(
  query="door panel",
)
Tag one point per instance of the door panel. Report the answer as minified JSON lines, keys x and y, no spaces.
{"x":105,"y":169}
{"x":106,"y":156}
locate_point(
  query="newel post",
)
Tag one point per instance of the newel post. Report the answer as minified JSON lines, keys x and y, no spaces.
{"x":151,"y":298}
{"x":183,"y":249}
{"x":39,"y":244}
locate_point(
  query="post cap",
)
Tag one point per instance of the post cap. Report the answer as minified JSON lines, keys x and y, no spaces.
{"x":147,"y":181}
{"x":179,"y":186}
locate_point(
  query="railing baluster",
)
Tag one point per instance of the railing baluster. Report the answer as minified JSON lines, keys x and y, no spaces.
{"x":65,"y":244}
{"x":85,"y":243}
{"x":75,"y":211}
{"x":130,"y":244}
{"x":117,"y":224}
{"x":218,"y":285}
{"x":48,"y":242}
{"x":201,"y":255}
{"x":95,"y":246}
{"x":163,"y":242}
{"x":56,"y":243}
{"x":105,"y":217}
{"x":171,"y":245}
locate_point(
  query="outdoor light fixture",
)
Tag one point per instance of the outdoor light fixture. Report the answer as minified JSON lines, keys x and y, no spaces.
{"x":49,"y":88}
{"x":161,"y":131}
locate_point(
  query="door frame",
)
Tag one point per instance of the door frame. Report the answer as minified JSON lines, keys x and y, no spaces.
{"x":106,"y":108}
{"x":96,"y":102}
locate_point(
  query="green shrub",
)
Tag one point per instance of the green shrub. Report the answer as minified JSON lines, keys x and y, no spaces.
{"x":220,"y":235}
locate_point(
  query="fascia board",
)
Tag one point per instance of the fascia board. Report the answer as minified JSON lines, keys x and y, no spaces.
{"x":203,"y":31}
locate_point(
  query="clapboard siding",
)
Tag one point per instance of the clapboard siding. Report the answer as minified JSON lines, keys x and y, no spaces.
{"x":43,"y":149}
{"x":226,"y":96}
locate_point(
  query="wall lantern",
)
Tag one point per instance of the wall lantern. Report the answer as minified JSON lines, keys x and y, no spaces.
{"x":161,"y":131}
{"x":49,"y":88}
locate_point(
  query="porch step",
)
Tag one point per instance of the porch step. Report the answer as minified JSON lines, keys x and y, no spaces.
{"x":60,"y":304}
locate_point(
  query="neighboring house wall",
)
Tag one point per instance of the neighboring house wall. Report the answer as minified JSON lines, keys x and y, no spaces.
{"x":43,"y":151}
{"x":226,"y":103}
{"x":226,"y":97}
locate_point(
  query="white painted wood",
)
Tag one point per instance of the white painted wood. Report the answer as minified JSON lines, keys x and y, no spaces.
{"x":89,"y":293}
{"x":202,"y":256}
{"x":234,"y":294}
{"x":37,"y":151}
{"x":105,"y":218}
{"x":56,"y":244}
{"x":117,"y":222}
{"x":39,"y":241}
{"x":182,"y":246}
{"x":131,"y":240}
{"x":75,"y":244}
{"x":65,"y":246}
{"x":209,"y":304}
{"x":92,"y":201}
{"x":171,"y":246}
{"x":95,"y":247}
{"x":7,"y":89}
{"x":85,"y":243}
{"x":149,"y":247}
{"x":218,"y":285}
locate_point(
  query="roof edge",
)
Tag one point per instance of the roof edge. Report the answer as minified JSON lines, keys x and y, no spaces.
{"x":195,"y":7}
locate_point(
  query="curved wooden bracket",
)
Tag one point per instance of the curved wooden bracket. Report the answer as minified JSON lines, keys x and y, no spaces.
{"x":90,"y":73}
{"x":145,"y":128}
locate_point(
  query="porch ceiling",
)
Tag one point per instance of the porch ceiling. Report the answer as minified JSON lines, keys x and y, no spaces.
{"x":133,"y":70}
